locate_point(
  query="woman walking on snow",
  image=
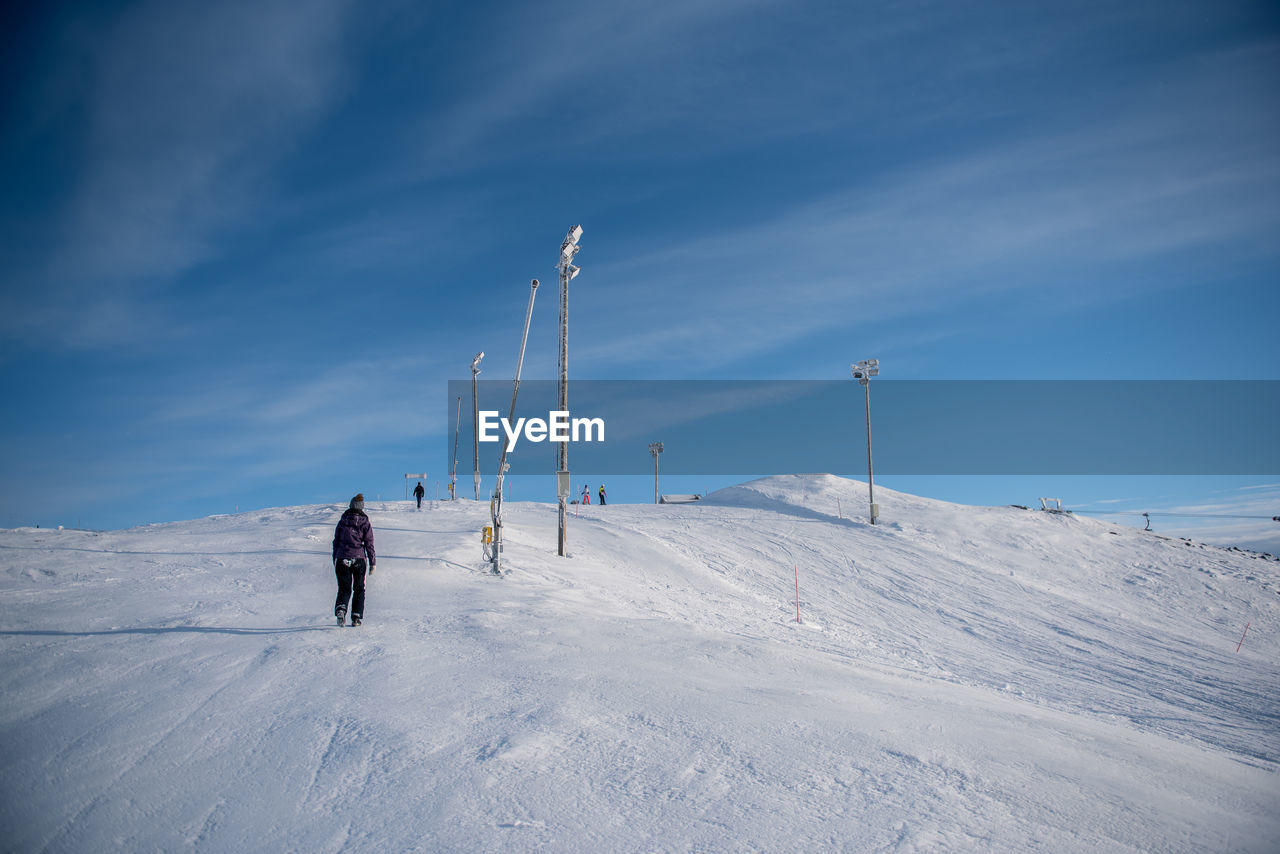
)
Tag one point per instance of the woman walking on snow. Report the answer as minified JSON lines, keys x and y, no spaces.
{"x":352,"y":544}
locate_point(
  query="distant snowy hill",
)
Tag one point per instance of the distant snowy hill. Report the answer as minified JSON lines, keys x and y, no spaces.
{"x":962,"y":678}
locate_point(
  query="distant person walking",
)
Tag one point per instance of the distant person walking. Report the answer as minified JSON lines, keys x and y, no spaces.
{"x":352,"y":544}
{"x":586,"y":493}
{"x":418,"y":492}
{"x":602,"y":495}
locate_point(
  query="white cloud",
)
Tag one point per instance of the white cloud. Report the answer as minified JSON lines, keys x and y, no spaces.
{"x":1070,"y":211}
{"x":294,"y":421}
{"x":1243,"y":520}
{"x":537,"y":61}
{"x":191,"y":107}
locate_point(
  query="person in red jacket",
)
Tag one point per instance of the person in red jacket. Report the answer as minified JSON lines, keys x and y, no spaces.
{"x":352,"y":545}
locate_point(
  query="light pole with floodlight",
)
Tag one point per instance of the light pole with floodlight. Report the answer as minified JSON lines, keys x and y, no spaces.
{"x":568,"y":249}
{"x":863,"y":372}
{"x":655,"y":448}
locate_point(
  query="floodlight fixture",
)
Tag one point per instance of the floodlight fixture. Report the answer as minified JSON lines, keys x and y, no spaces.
{"x":570,"y":247}
{"x":866,"y":369}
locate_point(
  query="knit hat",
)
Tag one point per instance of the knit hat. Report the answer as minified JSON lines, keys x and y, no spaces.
{"x":357,"y":503}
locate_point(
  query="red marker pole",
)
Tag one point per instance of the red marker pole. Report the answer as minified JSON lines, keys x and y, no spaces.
{"x":798,"y":593}
{"x":1242,"y":634}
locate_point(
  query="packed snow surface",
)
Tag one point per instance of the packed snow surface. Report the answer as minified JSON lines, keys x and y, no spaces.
{"x":960,"y":679}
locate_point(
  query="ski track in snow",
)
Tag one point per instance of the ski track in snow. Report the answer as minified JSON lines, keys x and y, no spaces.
{"x":961,"y":679}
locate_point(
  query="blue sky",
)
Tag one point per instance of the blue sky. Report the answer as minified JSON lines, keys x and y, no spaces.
{"x":247,"y":244}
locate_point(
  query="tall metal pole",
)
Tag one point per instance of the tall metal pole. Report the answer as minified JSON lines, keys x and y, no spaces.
{"x":562,"y":404}
{"x":568,"y":249}
{"x":655,"y":448}
{"x":863,"y":372}
{"x":496,"y":504}
{"x":475,"y":418}
{"x":457,"y":426}
{"x":871,"y":481}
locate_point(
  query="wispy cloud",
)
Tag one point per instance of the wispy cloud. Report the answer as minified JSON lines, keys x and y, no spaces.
{"x":677,"y":79}
{"x":1072,"y":209}
{"x":1259,"y":501}
{"x":1242,"y":517}
{"x":191,"y":107}
{"x":537,"y":61}
{"x":292,"y":422}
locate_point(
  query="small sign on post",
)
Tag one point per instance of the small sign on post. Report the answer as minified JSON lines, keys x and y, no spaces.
{"x":409,"y":477}
{"x":563,"y":486}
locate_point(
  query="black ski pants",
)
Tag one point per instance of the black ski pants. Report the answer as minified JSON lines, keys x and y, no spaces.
{"x":350,"y":585}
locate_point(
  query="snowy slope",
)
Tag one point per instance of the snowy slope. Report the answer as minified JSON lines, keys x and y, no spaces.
{"x":962,"y":679}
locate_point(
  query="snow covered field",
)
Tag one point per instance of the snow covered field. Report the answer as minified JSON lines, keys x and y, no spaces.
{"x":963,"y":679}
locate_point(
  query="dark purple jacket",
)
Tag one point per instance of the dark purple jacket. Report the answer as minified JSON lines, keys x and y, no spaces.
{"x":354,"y":537}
